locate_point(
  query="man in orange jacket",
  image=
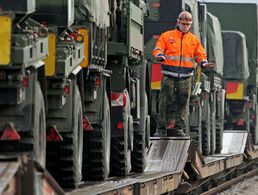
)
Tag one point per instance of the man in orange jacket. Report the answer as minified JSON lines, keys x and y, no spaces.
{"x":178,"y":50}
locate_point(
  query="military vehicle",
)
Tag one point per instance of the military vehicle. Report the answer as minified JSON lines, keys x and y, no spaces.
{"x":75,"y":97}
{"x":69,"y":66}
{"x":240,"y":71}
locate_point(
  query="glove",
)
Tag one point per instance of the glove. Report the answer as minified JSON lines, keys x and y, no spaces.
{"x":160,"y":57}
{"x":208,"y":65}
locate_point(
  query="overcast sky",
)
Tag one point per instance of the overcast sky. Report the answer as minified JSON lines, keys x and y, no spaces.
{"x":238,"y":1}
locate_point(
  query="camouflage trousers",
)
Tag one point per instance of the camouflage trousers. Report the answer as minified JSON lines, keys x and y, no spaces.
{"x":173,"y":101}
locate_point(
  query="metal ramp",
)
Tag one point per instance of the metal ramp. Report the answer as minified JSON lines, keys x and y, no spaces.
{"x":232,"y":155}
{"x":233,"y":148}
{"x":165,"y":163}
{"x":167,"y":154}
{"x":116,"y":186}
{"x":234,"y":142}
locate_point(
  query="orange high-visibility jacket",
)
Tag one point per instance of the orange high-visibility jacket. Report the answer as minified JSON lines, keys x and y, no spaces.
{"x":181,"y":51}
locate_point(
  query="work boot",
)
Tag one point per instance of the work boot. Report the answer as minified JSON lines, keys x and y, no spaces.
{"x":161,"y":133}
{"x":179,"y":133}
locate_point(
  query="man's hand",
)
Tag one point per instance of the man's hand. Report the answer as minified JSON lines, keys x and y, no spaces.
{"x":208,"y":65}
{"x":160,"y":57}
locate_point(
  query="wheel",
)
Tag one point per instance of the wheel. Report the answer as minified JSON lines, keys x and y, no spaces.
{"x":33,"y":140}
{"x":213,"y":125}
{"x":65,"y":157}
{"x":206,"y":130}
{"x":195,"y":120}
{"x":141,"y":135}
{"x":100,"y":140}
{"x":39,"y":129}
{"x":220,"y":121}
{"x":120,"y":148}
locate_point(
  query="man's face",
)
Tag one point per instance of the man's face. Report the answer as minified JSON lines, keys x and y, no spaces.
{"x":184,"y":26}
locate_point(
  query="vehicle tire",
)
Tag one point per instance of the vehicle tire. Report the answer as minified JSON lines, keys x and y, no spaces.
{"x":100,"y":143}
{"x":39,"y":129}
{"x":86,"y":156}
{"x":220,"y":121}
{"x":33,"y":140}
{"x":253,"y":128}
{"x":213,"y":126}
{"x":206,"y":124}
{"x":141,"y":134}
{"x":120,"y":147}
{"x":195,"y":120}
{"x":66,"y":156}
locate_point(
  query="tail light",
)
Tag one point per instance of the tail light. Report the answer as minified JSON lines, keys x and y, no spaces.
{"x":43,"y":24}
{"x":118,"y":99}
{"x":52,"y":134}
{"x":25,"y":81}
{"x":86,"y":125}
{"x":67,"y":88}
{"x":120,"y":125}
{"x":10,"y":133}
{"x":98,"y":81}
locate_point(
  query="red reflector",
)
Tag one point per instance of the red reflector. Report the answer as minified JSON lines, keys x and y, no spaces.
{"x":155,"y":36}
{"x":120,"y":125}
{"x":53,"y":135}
{"x":67,"y":89}
{"x":10,"y":133}
{"x":98,"y":81}
{"x":156,"y":5}
{"x":43,"y":24}
{"x":86,"y":125}
{"x":25,"y":81}
{"x":118,"y":99}
{"x":240,"y":121}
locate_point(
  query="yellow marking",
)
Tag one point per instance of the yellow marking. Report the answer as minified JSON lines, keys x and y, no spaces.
{"x":5,"y":39}
{"x":156,"y":85}
{"x":50,"y":60}
{"x":238,"y":95}
{"x":85,"y":34}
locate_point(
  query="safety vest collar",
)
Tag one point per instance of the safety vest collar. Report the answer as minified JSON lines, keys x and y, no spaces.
{"x":180,"y":33}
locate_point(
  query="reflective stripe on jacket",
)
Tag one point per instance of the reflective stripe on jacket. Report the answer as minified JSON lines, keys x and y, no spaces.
{"x":181,"y":50}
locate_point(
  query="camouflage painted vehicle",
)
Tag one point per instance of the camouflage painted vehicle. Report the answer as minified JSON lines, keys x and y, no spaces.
{"x":74,"y":86}
{"x":240,"y":65}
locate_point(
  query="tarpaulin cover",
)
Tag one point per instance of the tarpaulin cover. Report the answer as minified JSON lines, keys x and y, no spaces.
{"x":235,"y":55}
{"x":94,"y":11}
{"x":214,"y":42}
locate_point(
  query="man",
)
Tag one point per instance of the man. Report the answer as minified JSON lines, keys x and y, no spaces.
{"x":177,"y":50}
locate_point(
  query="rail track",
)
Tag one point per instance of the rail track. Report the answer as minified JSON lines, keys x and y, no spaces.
{"x":224,"y":186}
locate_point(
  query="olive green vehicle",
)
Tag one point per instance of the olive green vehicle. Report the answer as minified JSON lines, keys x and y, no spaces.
{"x":76,"y":98}
{"x":74,"y":86}
{"x":240,"y":64}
